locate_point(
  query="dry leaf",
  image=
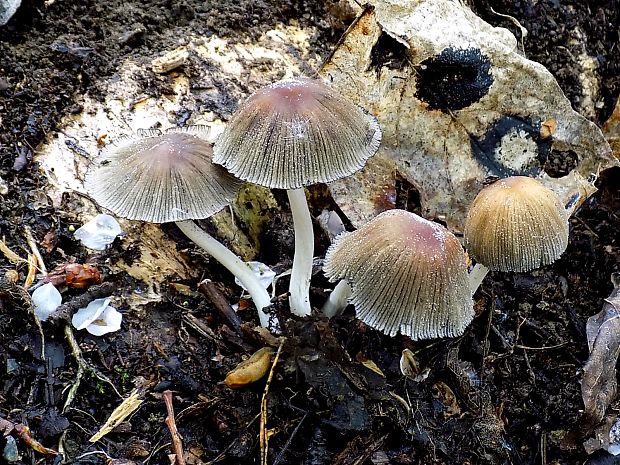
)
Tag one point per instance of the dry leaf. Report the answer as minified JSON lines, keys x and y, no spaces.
{"x":250,"y":370}
{"x":445,"y":395}
{"x":457,"y":102}
{"x":611,"y":130}
{"x":368,"y":363}
{"x":599,"y":385}
{"x":408,"y":364}
{"x":120,"y":413}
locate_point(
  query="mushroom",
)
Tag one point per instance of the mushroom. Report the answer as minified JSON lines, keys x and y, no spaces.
{"x":514,"y":224}
{"x":292,"y":134}
{"x":162,"y":177}
{"x":406,"y":274}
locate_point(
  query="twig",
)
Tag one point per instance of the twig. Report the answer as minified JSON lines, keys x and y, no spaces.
{"x":289,"y":440}
{"x":35,"y":250}
{"x":264,"y":434}
{"x":211,"y":292}
{"x":12,"y":256}
{"x":77,"y":354}
{"x":230,"y":446}
{"x":198,"y":326}
{"x":556,"y":346}
{"x":95,"y":292}
{"x":82,"y":368}
{"x":177,"y":445}
{"x":485,"y":344}
{"x":23,"y":433}
{"x":32,"y":271}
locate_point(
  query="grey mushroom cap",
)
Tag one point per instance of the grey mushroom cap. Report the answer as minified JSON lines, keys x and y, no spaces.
{"x":516,"y":224}
{"x":161,"y":177}
{"x":407,"y":274}
{"x":295,"y":133}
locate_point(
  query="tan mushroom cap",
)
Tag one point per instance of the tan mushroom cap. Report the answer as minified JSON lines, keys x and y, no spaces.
{"x":516,"y":224}
{"x":295,"y":133}
{"x":407,"y":274}
{"x":161,"y":177}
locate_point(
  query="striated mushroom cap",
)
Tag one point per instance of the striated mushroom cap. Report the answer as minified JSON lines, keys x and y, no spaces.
{"x":294,"y":133}
{"x":407,"y":274}
{"x":161,"y":177}
{"x":516,"y":224}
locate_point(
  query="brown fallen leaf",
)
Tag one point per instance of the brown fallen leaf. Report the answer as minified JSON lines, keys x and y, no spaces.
{"x":74,"y":275}
{"x":443,"y":393}
{"x":599,"y":385}
{"x":250,"y":370}
{"x":23,"y":433}
{"x":372,"y":366}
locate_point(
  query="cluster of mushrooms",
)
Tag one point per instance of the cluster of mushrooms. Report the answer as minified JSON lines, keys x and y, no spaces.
{"x":402,"y":273}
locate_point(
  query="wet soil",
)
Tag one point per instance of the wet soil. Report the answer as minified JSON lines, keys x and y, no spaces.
{"x":506,"y":392}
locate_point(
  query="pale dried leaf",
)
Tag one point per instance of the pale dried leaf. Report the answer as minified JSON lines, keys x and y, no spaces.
{"x":120,"y":413}
{"x":599,"y":384}
{"x":445,"y":129}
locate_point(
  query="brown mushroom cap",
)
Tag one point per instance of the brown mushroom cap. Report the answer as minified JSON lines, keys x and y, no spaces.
{"x":161,"y":177}
{"x":516,"y":224}
{"x":294,"y":133}
{"x":407,"y":274}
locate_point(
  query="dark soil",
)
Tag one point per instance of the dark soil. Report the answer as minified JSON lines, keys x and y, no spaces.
{"x":506,"y":392}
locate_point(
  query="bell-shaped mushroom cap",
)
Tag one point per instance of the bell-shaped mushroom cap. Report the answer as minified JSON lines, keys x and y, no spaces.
{"x":295,"y":133}
{"x":161,"y":177}
{"x":407,"y":274}
{"x":516,"y":224}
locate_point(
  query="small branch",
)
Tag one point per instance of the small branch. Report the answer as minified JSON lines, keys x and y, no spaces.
{"x":211,"y":292}
{"x":65,"y":311}
{"x":172,"y":426}
{"x":289,"y":440}
{"x":23,"y":433}
{"x":83,"y":367}
{"x":32,"y":271}
{"x":556,"y":346}
{"x":264,"y":433}
{"x":35,"y":250}
{"x":10,"y":255}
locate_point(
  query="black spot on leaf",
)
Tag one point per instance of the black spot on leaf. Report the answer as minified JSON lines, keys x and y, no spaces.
{"x":388,"y":52}
{"x":485,"y":149}
{"x":560,"y":163}
{"x":454,"y":79}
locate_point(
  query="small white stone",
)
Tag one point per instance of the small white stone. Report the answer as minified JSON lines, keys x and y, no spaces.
{"x":8,"y":9}
{"x":98,"y":318}
{"x":264,"y":274}
{"x":99,"y":232}
{"x":45,"y":300}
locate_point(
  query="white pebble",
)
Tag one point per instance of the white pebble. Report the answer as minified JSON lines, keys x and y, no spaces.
{"x":46,"y":299}
{"x":99,"y":232}
{"x":98,"y":318}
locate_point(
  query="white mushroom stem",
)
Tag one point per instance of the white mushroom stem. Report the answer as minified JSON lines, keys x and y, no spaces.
{"x":476,"y":276}
{"x":233,"y":264}
{"x":304,"y":250}
{"x":338,"y":300}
